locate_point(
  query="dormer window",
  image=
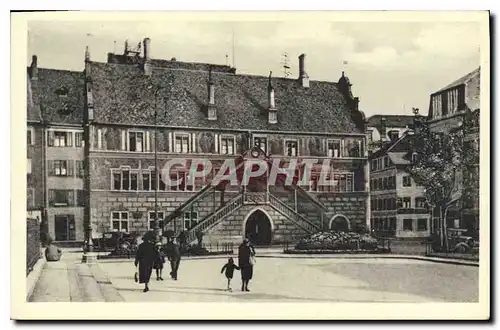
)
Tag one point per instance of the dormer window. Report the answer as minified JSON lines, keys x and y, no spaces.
{"x":334,"y":148}
{"x":182,"y":143}
{"x":62,"y":92}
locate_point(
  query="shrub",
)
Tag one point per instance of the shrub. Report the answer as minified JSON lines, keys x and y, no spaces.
{"x":335,"y":240}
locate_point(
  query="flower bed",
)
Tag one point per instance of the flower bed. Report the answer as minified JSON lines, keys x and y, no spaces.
{"x":337,"y":242}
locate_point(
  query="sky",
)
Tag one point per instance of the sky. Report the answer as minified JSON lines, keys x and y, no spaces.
{"x":393,"y":66}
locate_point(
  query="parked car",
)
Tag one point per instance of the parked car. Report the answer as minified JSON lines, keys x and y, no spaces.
{"x":114,"y":240}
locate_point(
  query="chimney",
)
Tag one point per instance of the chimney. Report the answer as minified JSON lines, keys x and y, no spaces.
{"x":383,"y":128}
{"x":272,"y":112}
{"x":303,"y":77}
{"x":212,"y":111}
{"x":355,"y":104}
{"x":34,"y":68}
{"x":147,"y":56}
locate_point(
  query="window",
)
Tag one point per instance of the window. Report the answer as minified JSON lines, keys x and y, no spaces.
{"x":273,"y":116}
{"x":386,"y":161}
{"x":406,"y":202}
{"x":80,"y":170}
{"x":452,"y":100}
{"x":352,"y":148}
{"x":99,"y":140}
{"x":146,"y":180}
{"x":190,"y":219}
{"x":422,"y":224}
{"x":406,"y":181}
{"x":60,"y":139}
{"x":227,"y":145}
{"x":334,"y":149}
{"x":414,"y":158}
{"x":408,"y":224}
{"x":79,"y":142}
{"x":260,"y":142}
{"x":291,"y":148}
{"x":30,"y":136}
{"x":152,"y":219}
{"x":124,"y":179}
{"x":385,"y":183}
{"x":437,"y":105}
{"x":28,"y":166}
{"x":61,"y":167}
{"x":392,"y":223}
{"x":374,"y":165}
{"x":391,"y":182}
{"x":393,"y":135}
{"x":420,"y":202}
{"x":136,"y":141}
{"x":61,"y":197}
{"x":182,"y":143}
{"x":119,"y":221}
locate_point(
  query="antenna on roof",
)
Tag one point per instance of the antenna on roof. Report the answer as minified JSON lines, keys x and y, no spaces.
{"x":286,"y":66}
{"x":233,"y":50}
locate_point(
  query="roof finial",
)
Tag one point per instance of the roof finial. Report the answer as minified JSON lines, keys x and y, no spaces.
{"x":270,"y":86}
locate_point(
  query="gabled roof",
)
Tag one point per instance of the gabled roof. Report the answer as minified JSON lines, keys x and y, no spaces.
{"x":398,"y":151}
{"x":121,"y":96}
{"x":399,"y":121}
{"x":462,"y":80}
{"x":57,"y":97}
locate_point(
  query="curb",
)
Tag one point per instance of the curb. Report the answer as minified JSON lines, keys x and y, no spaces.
{"x":325,"y":256}
{"x":34,"y":276}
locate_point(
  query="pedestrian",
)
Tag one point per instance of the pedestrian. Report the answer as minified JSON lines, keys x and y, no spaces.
{"x":174,"y":256}
{"x":229,"y":267}
{"x":52,"y":252}
{"x":145,"y":258}
{"x":246,"y":261}
{"x":160,"y":260}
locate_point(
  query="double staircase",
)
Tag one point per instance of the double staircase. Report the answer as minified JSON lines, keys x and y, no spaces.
{"x":260,"y":197}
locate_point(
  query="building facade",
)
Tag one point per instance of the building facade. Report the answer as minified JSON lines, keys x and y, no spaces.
{"x":457,"y":107}
{"x":136,"y":113}
{"x":398,"y":205}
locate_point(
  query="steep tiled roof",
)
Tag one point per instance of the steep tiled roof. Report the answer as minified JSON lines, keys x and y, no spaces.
{"x":33,"y":107}
{"x":462,"y":80}
{"x":121,"y":96}
{"x":57,"y":96}
{"x":391,"y":120}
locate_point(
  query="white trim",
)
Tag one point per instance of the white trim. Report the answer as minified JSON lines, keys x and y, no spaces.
{"x":123,"y":145}
{"x":340,"y":148}
{"x":337,"y":216}
{"x":32,"y":131}
{"x":181,"y":134}
{"x":99,"y":138}
{"x":28,"y":166}
{"x":148,"y":142}
{"x":170,"y":146}
{"x":143,"y":140}
{"x":193,"y":142}
{"x":227,"y":136}
{"x":247,"y":216}
{"x":120,"y":219}
{"x":216,"y":137}
{"x":265,"y":136}
{"x":70,"y":130}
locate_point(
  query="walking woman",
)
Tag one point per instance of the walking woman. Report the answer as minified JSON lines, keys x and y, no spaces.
{"x":145,"y":257}
{"x":246,"y":254}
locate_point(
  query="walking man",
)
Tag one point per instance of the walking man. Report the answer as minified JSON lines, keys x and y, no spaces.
{"x":174,"y":256}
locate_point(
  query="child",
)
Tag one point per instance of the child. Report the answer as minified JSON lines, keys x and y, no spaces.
{"x":160,"y":260}
{"x":229,"y":268}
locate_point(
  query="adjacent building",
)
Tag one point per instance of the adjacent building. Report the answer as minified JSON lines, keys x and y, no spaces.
{"x":457,"y":106}
{"x":384,"y":128}
{"x":398,"y":205}
{"x":136,"y":113}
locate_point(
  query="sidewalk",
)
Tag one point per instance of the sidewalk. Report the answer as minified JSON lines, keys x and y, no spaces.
{"x":69,"y":280}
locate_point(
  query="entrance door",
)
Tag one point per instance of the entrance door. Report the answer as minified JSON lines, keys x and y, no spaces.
{"x":64,"y":227}
{"x":258,"y":228}
{"x":340,"y":223}
{"x":61,"y":227}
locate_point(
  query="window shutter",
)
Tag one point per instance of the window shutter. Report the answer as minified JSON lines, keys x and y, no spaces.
{"x":149,"y":141}
{"x":69,"y":139}
{"x":124,"y":140}
{"x":51,"y":138}
{"x":70,"y":167}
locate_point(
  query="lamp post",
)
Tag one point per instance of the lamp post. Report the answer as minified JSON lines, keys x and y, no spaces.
{"x":156,"y":223}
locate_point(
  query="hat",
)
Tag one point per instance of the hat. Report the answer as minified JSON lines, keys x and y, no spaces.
{"x":246,"y":240}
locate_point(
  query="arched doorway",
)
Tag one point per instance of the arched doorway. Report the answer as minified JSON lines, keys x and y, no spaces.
{"x":258,"y":228}
{"x":340,"y":223}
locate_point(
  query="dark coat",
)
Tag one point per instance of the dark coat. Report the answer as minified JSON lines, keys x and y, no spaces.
{"x":160,"y":260}
{"x":229,"y":268}
{"x":145,"y":257}
{"x":172,"y":251}
{"x":244,"y":255}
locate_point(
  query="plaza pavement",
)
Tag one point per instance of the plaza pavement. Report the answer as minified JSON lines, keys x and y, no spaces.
{"x":276,"y":279}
